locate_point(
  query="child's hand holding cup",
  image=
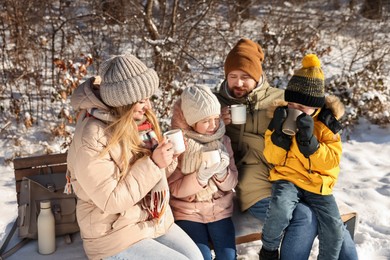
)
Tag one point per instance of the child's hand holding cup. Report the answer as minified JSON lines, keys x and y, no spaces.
{"x":290,"y":124}
{"x":211,"y":158}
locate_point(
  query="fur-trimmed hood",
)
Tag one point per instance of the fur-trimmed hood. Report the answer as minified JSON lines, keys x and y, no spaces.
{"x":331,"y":102}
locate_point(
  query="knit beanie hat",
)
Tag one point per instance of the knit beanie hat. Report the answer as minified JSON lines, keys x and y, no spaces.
{"x":307,"y":86}
{"x":126,"y":80}
{"x":246,"y":56}
{"x":198,"y":103}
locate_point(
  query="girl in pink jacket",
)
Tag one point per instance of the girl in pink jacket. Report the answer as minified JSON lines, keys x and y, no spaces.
{"x":201,"y":194}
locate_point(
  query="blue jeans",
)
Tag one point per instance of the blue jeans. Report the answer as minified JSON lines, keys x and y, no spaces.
{"x":173,"y":245}
{"x":220,"y":233}
{"x":300,"y":234}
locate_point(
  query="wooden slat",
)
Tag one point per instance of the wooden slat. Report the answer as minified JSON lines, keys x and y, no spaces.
{"x":248,"y":238}
{"x":34,"y":161}
{"x":20,"y":173}
{"x":348,"y":216}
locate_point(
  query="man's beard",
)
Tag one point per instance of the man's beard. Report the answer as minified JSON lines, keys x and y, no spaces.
{"x":242,"y":92}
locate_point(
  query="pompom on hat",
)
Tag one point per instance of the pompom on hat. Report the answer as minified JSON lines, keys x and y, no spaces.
{"x":247,"y":56}
{"x":307,"y":85}
{"x":126,"y":80}
{"x":197,"y":103}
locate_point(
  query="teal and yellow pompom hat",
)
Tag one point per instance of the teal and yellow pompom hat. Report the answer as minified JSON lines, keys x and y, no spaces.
{"x":307,"y":85}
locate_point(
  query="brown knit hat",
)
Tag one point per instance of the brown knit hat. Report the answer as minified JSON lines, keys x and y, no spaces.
{"x":307,"y":86}
{"x":246,"y":56}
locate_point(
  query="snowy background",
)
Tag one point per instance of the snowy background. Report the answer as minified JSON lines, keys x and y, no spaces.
{"x":364,"y":181}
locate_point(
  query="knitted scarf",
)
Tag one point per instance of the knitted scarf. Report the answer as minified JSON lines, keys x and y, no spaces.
{"x":192,"y":157}
{"x":157,"y":201}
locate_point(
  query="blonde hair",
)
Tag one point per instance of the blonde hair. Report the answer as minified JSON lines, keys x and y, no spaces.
{"x":124,"y":132}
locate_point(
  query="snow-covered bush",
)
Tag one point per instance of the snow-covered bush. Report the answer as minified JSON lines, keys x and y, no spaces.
{"x":49,"y":52}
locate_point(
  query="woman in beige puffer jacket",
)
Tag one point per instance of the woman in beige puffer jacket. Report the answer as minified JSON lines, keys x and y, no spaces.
{"x":118,"y":162}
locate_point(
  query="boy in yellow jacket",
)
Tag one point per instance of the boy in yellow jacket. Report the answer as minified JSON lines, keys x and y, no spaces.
{"x":307,"y":164}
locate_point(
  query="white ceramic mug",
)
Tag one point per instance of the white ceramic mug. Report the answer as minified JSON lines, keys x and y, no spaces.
{"x":176,"y":138}
{"x":238,"y":114}
{"x":211,"y":158}
{"x":290,"y":125}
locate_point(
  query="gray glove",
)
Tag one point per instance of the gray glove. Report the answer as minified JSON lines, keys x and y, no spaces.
{"x":225,"y":161}
{"x":204,"y":174}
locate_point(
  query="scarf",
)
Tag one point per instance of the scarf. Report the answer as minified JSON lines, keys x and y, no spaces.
{"x":192,"y":157}
{"x":157,"y":201}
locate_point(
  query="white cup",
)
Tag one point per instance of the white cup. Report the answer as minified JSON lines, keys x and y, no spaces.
{"x":290,"y":125}
{"x":211,"y":158}
{"x":238,"y":114}
{"x":176,"y":138}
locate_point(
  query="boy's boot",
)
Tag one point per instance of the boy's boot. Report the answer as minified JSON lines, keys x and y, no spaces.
{"x":268,"y":255}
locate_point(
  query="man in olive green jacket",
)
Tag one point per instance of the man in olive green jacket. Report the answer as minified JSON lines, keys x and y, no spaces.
{"x":246,"y":84}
